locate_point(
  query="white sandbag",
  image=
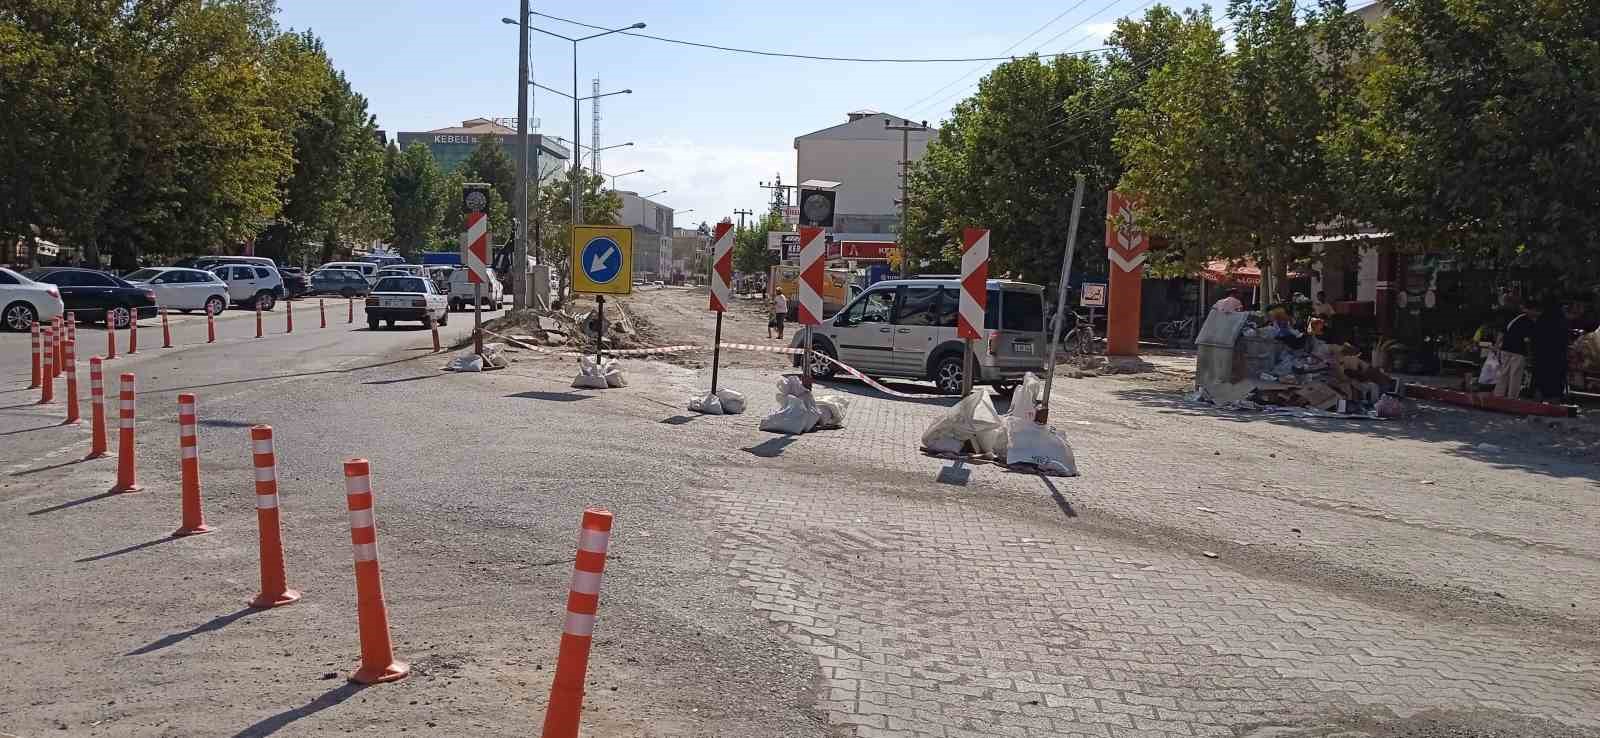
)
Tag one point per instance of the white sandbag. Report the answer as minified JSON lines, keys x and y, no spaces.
{"x":732,"y":401}
{"x":710,"y":404}
{"x":972,"y":421}
{"x":467,"y":362}
{"x":590,"y":375}
{"x":796,"y":416}
{"x":832,"y":408}
{"x":791,"y":385}
{"x":1038,"y":445}
{"x":1025,"y":398}
{"x":613,"y":373}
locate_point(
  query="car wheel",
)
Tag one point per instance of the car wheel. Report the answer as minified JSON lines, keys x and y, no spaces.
{"x":947,"y":374}
{"x":372,"y":324}
{"x":821,"y":367}
{"x":118,"y":317}
{"x":215,"y":305}
{"x":266,"y":300}
{"x":19,"y":316}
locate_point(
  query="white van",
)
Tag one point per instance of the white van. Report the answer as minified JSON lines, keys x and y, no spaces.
{"x":907,"y":328}
{"x":461,"y":290}
{"x":368,"y":270}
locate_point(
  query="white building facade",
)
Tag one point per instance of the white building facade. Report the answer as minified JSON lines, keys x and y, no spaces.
{"x":863,"y":156}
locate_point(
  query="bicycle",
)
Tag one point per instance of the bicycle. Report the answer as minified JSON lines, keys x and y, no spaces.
{"x":1176,"y":331}
{"x":1080,"y":340}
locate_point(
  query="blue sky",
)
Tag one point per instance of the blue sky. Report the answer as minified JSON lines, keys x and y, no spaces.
{"x":708,"y":125}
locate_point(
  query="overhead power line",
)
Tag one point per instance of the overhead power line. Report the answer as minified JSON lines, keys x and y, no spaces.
{"x":916,"y":105}
{"x":812,"y":57}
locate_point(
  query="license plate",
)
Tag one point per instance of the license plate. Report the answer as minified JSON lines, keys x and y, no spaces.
{"x":395,"y":302}
{"x":1022,"y":348}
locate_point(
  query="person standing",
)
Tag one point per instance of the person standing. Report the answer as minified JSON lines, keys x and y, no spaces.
{"x":1551,"y":337}
{"x":780,"y":312}
{"x":1321,"y":308}
{"x":1515,"y":343}
{"x":1230,"y":303}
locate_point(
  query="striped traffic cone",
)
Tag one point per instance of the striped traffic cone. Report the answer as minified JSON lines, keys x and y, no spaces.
{"x":372,"y":616}
{"x":72,"y":384}
{"x":125,"y":450}
{"x":133,"y":331}
{"x":288,"y":308}
{"x":166,"y":330}
{"x":38,"y":360}
{"x":72,"y":326}
{"x":60,"y":326}
{"x":572,"y":661}
{"x":97,"y":409}
{"x":47,"y":372}
{"x":194,"y":522}
{"x":274,"y":587}
{"x":111,"y":340}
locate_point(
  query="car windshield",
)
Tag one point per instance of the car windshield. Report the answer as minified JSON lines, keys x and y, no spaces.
{"x":143,"y":275}
{"x":401,"y":284}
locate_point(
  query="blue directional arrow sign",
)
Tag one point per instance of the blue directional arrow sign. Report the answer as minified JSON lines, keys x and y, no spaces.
{"x":602,"y":260}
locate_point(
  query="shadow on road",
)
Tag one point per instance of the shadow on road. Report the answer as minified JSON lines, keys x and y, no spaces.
{"x":1060,"y":500}
{"x":75,"y":503}
{"x":129,"y":549}
{"x":270,"y":725}
{"x":216,"y":623}
{"x":551,"y":396}
{"x":679,"y":419}
{"x":771,"y":448}
{"x":26,"y":472}
{"x":30,"y":430}
{"x":404,"y":379}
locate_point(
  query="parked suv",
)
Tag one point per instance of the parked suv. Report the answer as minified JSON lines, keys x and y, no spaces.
{"x":251,"y":285}
{"x":907,"y":328}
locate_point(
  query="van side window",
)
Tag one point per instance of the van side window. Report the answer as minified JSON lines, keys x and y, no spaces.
{"x":949,"y":305}
{"x":919,"y":306}
{"x":991,"y":311}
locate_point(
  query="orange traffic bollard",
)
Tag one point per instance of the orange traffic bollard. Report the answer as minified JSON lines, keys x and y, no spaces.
{"x":72,"y":383}
{"x":377,"y":655}
{"x":125,"y":460}
{"x":194,"y":522}
{"x":47,"y":372}
{"x":133,"y":331}
{"x":97,"y":408}
{"x":211,"y":327}
{"x":72,"y":326}
{"x":350,"y":302}
{"x":37,"y":359}
{"x":433,"y":327}
{"x":288,"y":308}
{"x":274,"y":587}
{"x":322,"y":312}
{"x":60,"y":326}
{"x":258,"y":320}
{"x":166,"y":330}
{"x":111,"y":340}
{"x":572,"y":661}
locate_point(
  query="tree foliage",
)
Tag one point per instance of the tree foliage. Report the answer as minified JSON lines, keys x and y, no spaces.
{"x":750,"y":253}
{"x":600,"y":207}
{"x":416,"y":191}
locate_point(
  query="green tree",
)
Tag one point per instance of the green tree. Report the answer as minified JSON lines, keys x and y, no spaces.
{"x":416,"y":198}
{"x":750,"y":252}
{"x":601,"y":206}
{"x":490,"y":163}
{"x":1481,"y":135}
{"x":1226,"y":151}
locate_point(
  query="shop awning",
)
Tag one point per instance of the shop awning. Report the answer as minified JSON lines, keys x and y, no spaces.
{"x":1242,"y":272}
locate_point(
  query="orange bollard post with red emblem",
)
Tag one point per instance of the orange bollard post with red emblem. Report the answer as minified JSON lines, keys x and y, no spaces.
{"x":583,"y":601}
{"x":377,"y":654}
{"x":47,"y":372}
{"x":166,"y":330}
{"x":72,"y":383}
{"x":97,"y":409}
{"x":274,"y":586}
{"x":125,"y":449}
{"x":194,"y":521}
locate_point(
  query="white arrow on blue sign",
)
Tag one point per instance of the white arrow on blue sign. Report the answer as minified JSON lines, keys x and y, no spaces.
{"x":601,"y":260}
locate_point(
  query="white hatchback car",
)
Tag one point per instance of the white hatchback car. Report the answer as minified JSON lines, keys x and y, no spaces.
{"x":23,"y":301}
{"x":182,"y":289}
{"x":406,"y":298}
{"x":250,"y":285}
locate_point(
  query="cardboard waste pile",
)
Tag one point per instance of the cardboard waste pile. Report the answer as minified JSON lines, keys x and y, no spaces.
{"x":973,"y":428}
{"x":1303,"y":373}
{"x":799,"y":413}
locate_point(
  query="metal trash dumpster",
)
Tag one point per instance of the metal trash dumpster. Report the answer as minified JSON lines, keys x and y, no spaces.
{"x":1220,"y":357}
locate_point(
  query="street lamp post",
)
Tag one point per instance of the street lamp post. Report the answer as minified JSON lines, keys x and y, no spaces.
{"x":577,"y":206}
{"x":615,"y":177}
{"x":653,"y":194}
{"x":591,"y":151}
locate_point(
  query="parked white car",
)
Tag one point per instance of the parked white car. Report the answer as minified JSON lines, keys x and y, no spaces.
{"x":461,"y":290}
{"x":406,"y":298}
{"x":367,"y":269}
{"x":182,"y":289}
{"x":251,"y":286}
{"x":23,"y":301}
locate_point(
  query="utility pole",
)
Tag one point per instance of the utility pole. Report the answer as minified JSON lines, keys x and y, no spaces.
{"x":741,"y":214}
{"x":905,"y":128}
{"x":521,"y":291}
{"x":780,"y":193}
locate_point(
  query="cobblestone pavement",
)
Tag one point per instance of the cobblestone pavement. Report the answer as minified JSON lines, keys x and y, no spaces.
{"x":1206,"y":575}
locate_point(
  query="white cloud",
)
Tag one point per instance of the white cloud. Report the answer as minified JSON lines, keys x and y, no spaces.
{"x":714,"y":179}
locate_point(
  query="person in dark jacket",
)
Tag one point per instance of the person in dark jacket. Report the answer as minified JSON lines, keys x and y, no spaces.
{"x":1552,"y":335}
{"x":1515,"y":343}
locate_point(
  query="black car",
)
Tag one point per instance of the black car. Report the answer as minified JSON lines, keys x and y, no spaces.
{"x":342,"y":282}
{"x":97,"y":296}
{"x":295,"y":281}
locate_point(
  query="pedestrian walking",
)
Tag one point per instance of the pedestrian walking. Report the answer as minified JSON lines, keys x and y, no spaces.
{"x":1515,"y":343}
{"x":1230,"y":303}
{"x":1552,"y":334}
{"x":780,"y":312}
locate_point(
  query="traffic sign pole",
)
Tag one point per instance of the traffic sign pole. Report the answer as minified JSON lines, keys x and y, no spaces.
{"x":812,"y":250}
{"x":477,"y":254}
{"x":974,"y":298}
{"x":1042,"y":414}
{"x":721,"y":289}
{"x":600,"y":329}
{"x":477,"y":318}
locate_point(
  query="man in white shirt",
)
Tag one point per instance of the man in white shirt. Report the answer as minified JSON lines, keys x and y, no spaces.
{"x":780,"y":311}
{"x":1229,"y":304}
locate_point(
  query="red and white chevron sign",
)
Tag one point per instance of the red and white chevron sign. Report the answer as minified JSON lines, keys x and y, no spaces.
{"x":476,"y":257}
{"x":1126,"y":245}
{"x":813,"y":248}
{"x":722,"y":268}
{"x":974,"y":282}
